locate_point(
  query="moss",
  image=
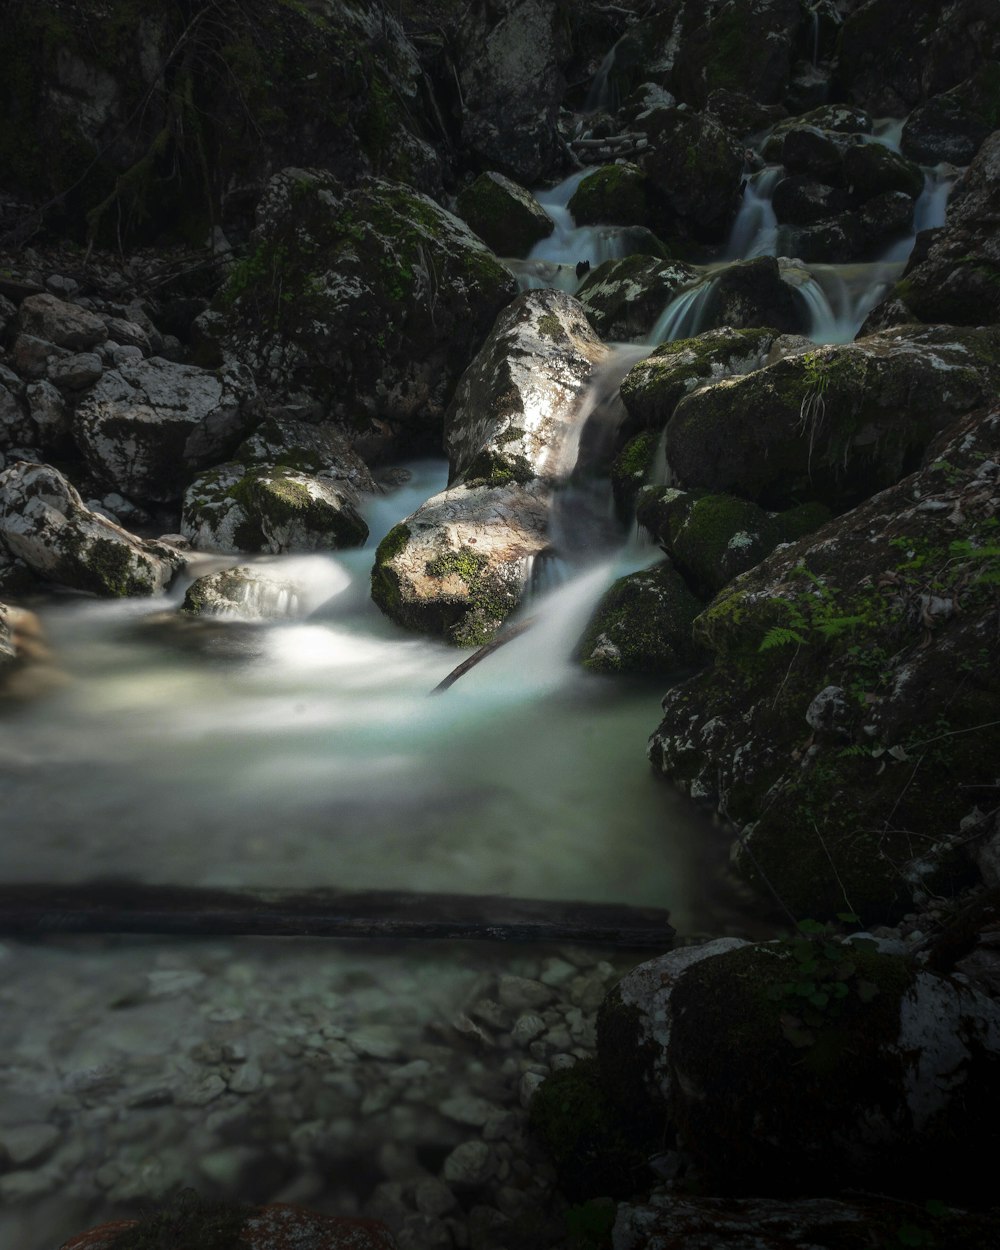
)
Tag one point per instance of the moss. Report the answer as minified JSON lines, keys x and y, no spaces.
{"x":615,"y":195}
{"x":384,"y":580}
{"x":503,"y":215}
{"x":189,"y":1221}
{"x":593,"y":1146}
{"x":795,"y":1103}
{"x":491,"y":468}
{"x":491,"y":595}
{"x":642,"y":625}
{"x":111,"y":567}
{"x":550,"y":327}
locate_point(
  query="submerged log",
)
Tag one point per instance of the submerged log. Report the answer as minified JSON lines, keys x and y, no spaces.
{"x":36,"y":909}
{"x":507,"y":635}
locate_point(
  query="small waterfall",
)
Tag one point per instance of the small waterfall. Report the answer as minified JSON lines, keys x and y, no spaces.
{"x":684,"y":316}
{"x":888,"y":131}
{"x":755,"y":230}
{"x":603,"y":94}
{"x":840,"y":297}
{"x":932,"y":206}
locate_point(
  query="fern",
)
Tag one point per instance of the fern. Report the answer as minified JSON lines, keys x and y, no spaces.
{"x":780,"y":636}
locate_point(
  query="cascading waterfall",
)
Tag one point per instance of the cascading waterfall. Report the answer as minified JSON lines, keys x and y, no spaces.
{"x":684,"y":316}
{"x":755,"y":230}
{"x":603,"y":93}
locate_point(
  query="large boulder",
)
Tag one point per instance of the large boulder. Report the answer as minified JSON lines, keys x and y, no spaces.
{"x":642,"y":625}
{"x":506,"y":216}
{"x":614,"y":195}
{"x":44,"y":521}
{"x":509,"y":62}
{"x":834,"y":424}
{"x":624,"y":298}
{"x":774,"y":1064}
{"x":372,"y":301}
{"x":952,"y":126}
{"x":264,"y":591}
{"x":55,"y":321}
{"x":270,"y":508}
{"x":848,"y":724}
{"x":695,"y":167}
{"x":459,"y":565}
{"x":147,"y":425}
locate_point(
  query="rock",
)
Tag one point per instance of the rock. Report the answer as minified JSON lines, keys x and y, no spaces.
{"x":872,"y":169}
{"x":32,"y":357}
{"x":373,"y":301}
{"x":744,"y":47}
{"x":888,"y":68}
{"x":698,"y":1223}
{"x":740,"y":113}
{"x":642,"y":625}
{"x":44,"y":521}
{"x":624,"y":298}
{"x":801,"y":201}
{"x":50,"y":420}
{"x":518,"y":993}
{"x":260,"y":592}
{"x":952,"y":276}
{"x":509,"y":61}
{"x":459,"y":565}
{"x":695,"y":167}
{"x":615,"y":195}
{"x":65,"y":325}
{"x":149,"y":424}
{"x":751,"y":294}
{"x":814,"y":152}
{"x":28,"y":1144}
{"x":835,"y":424}
{"x":129,"y":334}
{"x":272,"y":510}
{"x":951,"y":127}
{"x":469,"y":1165}
{"x":504,"y":215}
{"x":321,"y":449}
{"x":653,"y":388}
{"x":931,"y":1056}
{"x":73,"y":373}
{"x":278,"y":1226}
{"x":852,"y":607}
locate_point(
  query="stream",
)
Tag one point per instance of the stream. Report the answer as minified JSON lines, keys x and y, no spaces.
{"x":309,"y":753}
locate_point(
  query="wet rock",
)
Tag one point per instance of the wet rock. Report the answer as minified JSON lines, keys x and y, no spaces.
{"x":642,"y":625}
{"x":624,"y":298}
{"x":872,"y":169}
{"x":322,"y":449}
{"x":932,"y":1051}
{"x":469,"y":1165}
{"x":653,"y":388}
{"x":849,"y":608}
{"x":801,"y":201}
{"x":27,"y":1145}
{"x":952,"y":126}
{"x":696,"y":168}
{"x":270,"y":510}
{"x":852,"y":419}
{"x":504,"y":215}
{"x":65,"y":325}
{"x":458,"y":566}
{"x":952,"y":277}
{"x":32,"y":357}
{"x":510,"y":73}
{"x":250,"y":592}
{"x":382,"y":300}
{"x":615,"y":195}
{"x":149,"y":424}
{"x":44,"y":521}
{"x":49,"y":417}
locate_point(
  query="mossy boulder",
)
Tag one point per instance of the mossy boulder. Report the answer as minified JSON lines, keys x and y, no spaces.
{"x":642,"y":625}
{"x":373,"y":301}
{"x":872,"y":169}
{"x":505,"y":215}
{"x":654,"y":387}
{"x":810,"y":1056}
{"x":260,"y":592}
{"x":615,"y":195}
{"x":460,"y":564}
{"x":624,"y":298}
{"x":695,"y":167}
{"x":45,"y":523}
{"x":848,"y":721}
{"x":271,"y":509}
{"x":320,"y":448}
{"x":834,"y":424}
{"x":800,"y":200}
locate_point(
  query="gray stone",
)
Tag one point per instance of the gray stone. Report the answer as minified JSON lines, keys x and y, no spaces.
{"x":469,"y":1165}
{"x":521,"y":992}
{"x":28,"y":1144}
{"x":247,"y":1079}
{"x":434,"y":1198}
{"x":467,"y":1109}
{"x":31,"y":356}
{"x":65,"y":325}
{"x":73,"y":373}
{"x":48,"y":415}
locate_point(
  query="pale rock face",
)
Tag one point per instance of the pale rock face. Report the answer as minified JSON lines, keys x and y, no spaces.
{"x":148,"y":424}
{"x":458,"y":566}
{"x":44,"y":521}
{"x":65,"y":325}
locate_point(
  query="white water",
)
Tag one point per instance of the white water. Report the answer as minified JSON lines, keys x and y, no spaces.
{"x":755,"y":230}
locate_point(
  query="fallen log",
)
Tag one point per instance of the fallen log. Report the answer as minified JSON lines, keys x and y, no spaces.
{"x":35,"y":910}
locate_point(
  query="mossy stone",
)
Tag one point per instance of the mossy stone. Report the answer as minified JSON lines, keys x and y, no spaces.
{"x":616,"y":195}
{"x":504,"y":215}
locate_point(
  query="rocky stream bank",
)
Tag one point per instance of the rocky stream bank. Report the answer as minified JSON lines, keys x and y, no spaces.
{"x":719,"y":405}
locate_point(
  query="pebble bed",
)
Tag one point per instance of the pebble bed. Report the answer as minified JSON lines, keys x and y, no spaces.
{"x":391,"y":1081}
